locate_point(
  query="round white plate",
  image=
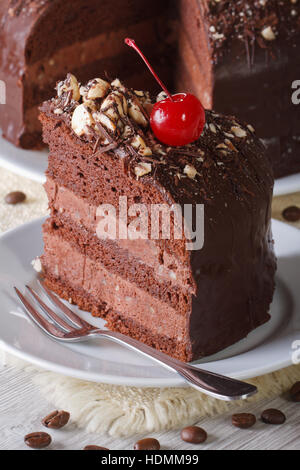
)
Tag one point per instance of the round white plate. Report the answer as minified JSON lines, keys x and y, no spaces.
{"x":267,"y":349}
{"x":33,"y":163}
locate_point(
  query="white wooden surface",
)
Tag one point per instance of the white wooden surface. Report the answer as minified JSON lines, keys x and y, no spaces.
{"x":22,"y":407}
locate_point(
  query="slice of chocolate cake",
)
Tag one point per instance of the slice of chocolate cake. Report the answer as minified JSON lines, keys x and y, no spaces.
{"x":186,"y":302}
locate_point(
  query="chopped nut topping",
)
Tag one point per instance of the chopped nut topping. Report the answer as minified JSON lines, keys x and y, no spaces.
{"x":190,"y":171}
{"x":37,"y":265}
{"x":114,"y":106}
{"x":213,"y":128}
{"x":95,"y":89}
{"x":142,"y":169}
{"x":161,"y":96}
{"x":70,"y":84}
{"x":103,"y":119}
{"x":117,"y":84}
{"x":82,"y":119}
{"x":230,"y":145}
{"x":135,"y":112}
{"x":139,"y":144}
{"x":268,"y":34}
{"x":251,"y":128}
{"x":238,"y":132}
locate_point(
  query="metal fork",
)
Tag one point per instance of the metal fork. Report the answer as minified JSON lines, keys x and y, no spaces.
{"x":69,"y":327}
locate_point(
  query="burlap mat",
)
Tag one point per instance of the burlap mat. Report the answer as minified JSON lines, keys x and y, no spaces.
{"x":118,"y":410}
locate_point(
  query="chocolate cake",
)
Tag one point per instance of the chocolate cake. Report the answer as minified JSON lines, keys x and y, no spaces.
{"x":187,"y":303}
{"x":242,"y":57}
{"x":237,"y":56}
{"x":42,"y":40}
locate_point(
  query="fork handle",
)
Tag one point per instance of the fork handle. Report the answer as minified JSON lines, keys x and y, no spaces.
{"x":214,"y":385}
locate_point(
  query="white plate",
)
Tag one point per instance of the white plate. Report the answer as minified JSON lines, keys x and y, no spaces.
{"x":267,"y":349}
{"x":33,"y":164}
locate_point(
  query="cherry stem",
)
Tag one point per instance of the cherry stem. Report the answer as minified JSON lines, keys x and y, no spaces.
{"x":131,"y":43}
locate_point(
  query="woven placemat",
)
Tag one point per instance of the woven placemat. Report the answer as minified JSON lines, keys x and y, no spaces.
{"x":114,"y":409}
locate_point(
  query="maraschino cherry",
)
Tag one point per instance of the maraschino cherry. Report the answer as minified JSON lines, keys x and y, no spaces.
{"x":177,"y":120}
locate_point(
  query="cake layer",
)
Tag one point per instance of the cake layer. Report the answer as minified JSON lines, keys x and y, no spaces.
{"x":116,"y":321}
{"x":110,"y":291}
{"x":80,"y":214}
{"x":93,"y":55}
{"x":120,"y":262}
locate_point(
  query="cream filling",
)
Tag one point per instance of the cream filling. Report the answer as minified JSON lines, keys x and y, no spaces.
{"x":84,"y":214}
{"x":80,"y":271}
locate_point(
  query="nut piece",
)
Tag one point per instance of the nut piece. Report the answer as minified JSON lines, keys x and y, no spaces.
{"x":139,"y":144}
{"x":142,"y":169}
{"x":114,"y":105}
{"x":82,"y":119}
{"x":117,"y":84}
{"x":136,"y":113}
{"x":56,"y":419}
{"x":95,"y":89}
{"x":161,"y":96}
{"x":70,"y":84}
{"x":190,"y":171}
{"x":238,"y":132}
{"x":37,"y":265}
{"x":105,"y":121}
{"x":268,"y":34}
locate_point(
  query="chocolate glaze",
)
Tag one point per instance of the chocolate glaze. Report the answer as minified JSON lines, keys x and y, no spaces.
{"x":232,"y":276}
{"x":244,"y":73}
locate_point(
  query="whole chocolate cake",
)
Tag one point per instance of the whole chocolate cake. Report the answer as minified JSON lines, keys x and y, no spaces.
{"x":187,"y":303}
{"x":237,"y":56}
{"x":42,"y":40}
{"x":242,"y":57}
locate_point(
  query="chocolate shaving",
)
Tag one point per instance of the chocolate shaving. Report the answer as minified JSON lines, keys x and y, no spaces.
{"x":104,"y":132}
{"x":107,"y":148}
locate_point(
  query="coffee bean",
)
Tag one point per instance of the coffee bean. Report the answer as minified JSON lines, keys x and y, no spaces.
{"x":37,"y":440}
{"x":292,"y":214}
{"x":243,"y":420}
{"x":56,"y":419}
{"x":95,"y":448}
{"x":15,"y":197}
{"x":147,"y":444}
{"x":273,"y":416}
{"x":295,"y":392}
{"x":193,"y":434}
